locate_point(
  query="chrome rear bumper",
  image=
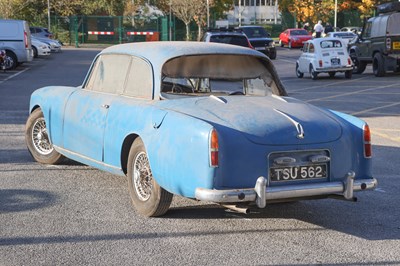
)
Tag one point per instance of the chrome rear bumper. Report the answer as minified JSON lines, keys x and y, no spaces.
{"x":334,"y":69}
{"x":262,"y":193}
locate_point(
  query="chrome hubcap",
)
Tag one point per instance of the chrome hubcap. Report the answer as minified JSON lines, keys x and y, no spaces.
{"x":142,"y":176}
{"x":40,"y":138}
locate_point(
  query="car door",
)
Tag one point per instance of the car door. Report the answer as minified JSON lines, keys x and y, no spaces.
{"x":303,"y":59}
{"x":131,"y":112}
{"x":87,"y":109}
{"x":365,"y":42}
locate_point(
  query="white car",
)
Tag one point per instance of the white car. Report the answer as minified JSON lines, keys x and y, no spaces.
{"x":40,"y":48}
{"x":54,"y":45}
{"x":324,"y":55}
{"x":347,"y":36}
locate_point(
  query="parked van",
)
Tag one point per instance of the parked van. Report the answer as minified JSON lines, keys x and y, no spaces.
{"x":15,"y":38}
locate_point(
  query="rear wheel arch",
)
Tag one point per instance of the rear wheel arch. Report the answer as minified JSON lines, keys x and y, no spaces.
{"x":34,"y":108}
{"x":126,"y":146}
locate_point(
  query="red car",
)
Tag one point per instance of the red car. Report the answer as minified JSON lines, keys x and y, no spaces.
{"x":294,"y":37}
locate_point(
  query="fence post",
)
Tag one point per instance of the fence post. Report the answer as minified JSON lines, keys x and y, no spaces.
{"x":75,"y":27}
{"x":120,"y":28}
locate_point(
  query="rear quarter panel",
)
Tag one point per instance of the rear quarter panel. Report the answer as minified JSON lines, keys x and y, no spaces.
{"x":177,"y":144}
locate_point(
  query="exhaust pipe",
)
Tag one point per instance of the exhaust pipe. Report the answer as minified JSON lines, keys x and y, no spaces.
{"x":237,"y":209}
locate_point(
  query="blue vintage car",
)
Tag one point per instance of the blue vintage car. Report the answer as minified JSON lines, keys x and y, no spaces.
{"x":205,"y":121}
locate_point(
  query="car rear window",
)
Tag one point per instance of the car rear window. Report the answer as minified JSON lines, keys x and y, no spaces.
{"x":298,"y":32}
{"x":230,"y":39}
{"x":218,"y":74}
{"x":256,"y":32}
{"x":330,"y":44}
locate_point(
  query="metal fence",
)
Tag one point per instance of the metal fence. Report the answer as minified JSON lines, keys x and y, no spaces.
{"x":81,"y":30}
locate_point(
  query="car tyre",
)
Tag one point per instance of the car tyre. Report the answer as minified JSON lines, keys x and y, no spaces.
{"x":332,"y":74}
{"x":359,"y":66}
{"x":272,"y":54}
{"x":38,"y":141}
{"x":290,"y":44}
{"x":378,"y":65}
{"x":313,"y":73}
{"x":299,"y":74}
{"x":148,"y":198}
{"x":35,"y":52}
{"x":12,"y":60}
{"x":348,"y":74}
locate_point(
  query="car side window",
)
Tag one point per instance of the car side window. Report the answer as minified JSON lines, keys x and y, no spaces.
{"x":311,"y":48}
{"x":109,"y":73}
{"x":367,"y":30}
{"x":139,"y":79}
{"x":305,"y":48}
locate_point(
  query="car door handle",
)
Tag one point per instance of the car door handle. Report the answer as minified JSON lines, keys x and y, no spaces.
{"x":105,"y":106}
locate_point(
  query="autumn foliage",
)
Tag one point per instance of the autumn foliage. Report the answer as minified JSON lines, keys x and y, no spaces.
{"x":314,"y":10}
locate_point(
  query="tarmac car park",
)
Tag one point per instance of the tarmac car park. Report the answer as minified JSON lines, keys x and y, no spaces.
{"x":73,"y":214}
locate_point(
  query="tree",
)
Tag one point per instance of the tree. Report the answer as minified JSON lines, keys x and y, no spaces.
{"x":200,"y":16}
{"x":314,"y":10}
{"x":131,"y":9}
{"x":184,"y":10}
{"x":6,"y":8}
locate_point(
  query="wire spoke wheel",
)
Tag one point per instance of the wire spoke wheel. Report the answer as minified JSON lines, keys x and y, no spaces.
{"x":40,"y":138}
{"x":148,"y":198}
{"x":142,"y":177}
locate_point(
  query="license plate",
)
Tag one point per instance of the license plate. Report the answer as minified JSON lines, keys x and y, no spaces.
{"x":314,"y":171}
{"x":335,"y":61}
{"x":396,"y":45}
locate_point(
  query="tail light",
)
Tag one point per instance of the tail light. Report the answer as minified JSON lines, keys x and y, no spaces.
{"x":367,"y":142}
{"x":388,"y":43}
{"x":214,"y":148}
{"x":349,"y":62}
{"x":26,"y":39}
{"x":250,"y":46}
{"x":320,"y":63}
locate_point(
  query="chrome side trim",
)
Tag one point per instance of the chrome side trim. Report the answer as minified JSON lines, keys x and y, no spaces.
{"x":85,"y":158}
{"x":261,"y":196}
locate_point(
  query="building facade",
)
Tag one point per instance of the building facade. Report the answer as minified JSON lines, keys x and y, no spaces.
{"x":254,"y":12}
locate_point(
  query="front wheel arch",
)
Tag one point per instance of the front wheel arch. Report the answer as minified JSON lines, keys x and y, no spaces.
{"x":37,"y":139}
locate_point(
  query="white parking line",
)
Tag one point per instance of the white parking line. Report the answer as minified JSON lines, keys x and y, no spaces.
{"x":376,"y":108}
{"x":329,"y":84}
{"x":352,"y":93}
{"x":12,"y":76}
{"x":287,"y":61}
{"x":385,"y":136}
